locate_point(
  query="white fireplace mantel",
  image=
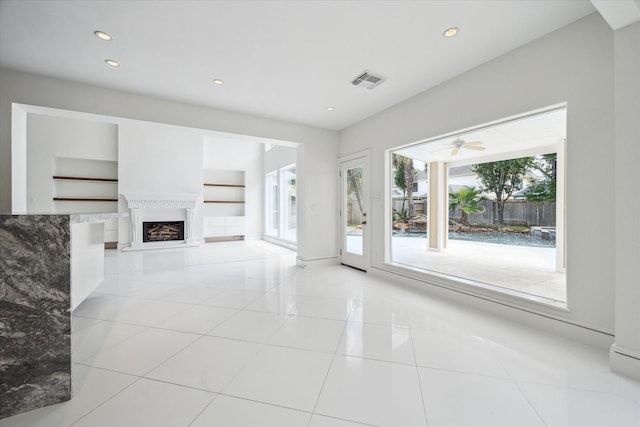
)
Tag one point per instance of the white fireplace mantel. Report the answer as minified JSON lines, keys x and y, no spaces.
{"x":161,"y":200}
{"x":139,"y":202}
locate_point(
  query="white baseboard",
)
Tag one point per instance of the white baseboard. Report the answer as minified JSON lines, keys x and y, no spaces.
{"x":624,"y":364}
{"x":543,"y":321}
{"x":126,"y":247}
{"x":319,"y":262}
{"x":283,"y":243}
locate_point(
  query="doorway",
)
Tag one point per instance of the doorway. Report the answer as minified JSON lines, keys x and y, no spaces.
{"x":354,"y":206}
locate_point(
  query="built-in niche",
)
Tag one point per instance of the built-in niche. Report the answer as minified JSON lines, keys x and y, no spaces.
{"x":224,"y":201}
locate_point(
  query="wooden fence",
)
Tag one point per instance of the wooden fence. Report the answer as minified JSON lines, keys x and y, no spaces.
{"x":516,"y":212}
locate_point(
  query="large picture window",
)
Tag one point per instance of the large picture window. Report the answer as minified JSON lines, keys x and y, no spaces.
{"x":486,"y":206}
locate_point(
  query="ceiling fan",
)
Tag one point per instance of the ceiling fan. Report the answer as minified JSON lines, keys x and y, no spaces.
{"x":458,"y":143}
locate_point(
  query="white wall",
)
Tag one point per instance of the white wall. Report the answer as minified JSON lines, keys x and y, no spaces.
{"x":239,"y":155}
{"x":317,"y":185}
{"x":574,"y":65}
{"x":320,"y":202}
{"x":278,"y":157}
{"x":155,"y":158}
{"x":627,"y":232}
{"x":49,"y":138}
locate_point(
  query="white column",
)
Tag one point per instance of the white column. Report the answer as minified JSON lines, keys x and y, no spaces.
{"x":188,"y":229}
{"x":136,"y":227}
{"x":438,"y":209}
{"x":625,"y":352}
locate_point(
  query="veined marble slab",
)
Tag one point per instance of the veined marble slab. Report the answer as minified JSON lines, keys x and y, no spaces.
{"x":35,"y":322}
{"x":95,"y":217}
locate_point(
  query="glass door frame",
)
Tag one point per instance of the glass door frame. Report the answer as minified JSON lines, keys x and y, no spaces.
{"x":359,"y":261}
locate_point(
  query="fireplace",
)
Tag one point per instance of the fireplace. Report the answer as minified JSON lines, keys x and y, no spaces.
{"x":162,"y":231}
{"x":171,"y":209}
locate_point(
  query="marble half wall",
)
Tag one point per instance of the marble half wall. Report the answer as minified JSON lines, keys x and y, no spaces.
{"x":35,"y":321}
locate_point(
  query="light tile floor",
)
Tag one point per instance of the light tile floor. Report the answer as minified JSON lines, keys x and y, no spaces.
{"x":233,"y":334}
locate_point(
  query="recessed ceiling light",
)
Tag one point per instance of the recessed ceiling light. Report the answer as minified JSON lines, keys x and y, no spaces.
{"x":103,"y":36}
{"x":330,"y":108}
{"x":450,"y":32}
{"x":218,"y":82}
{"x":112,"y":62}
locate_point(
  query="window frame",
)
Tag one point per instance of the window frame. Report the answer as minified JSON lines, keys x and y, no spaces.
{"x":469,"y":285}
{"x":280,"y":210}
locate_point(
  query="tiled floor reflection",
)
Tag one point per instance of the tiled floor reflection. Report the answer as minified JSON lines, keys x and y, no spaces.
{"x":233,"y":334}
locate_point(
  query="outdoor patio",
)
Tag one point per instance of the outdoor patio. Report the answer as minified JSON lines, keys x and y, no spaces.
{"x":525,"y":269}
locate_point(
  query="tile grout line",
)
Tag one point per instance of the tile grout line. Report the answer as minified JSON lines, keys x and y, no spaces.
{"x":107,"y":400}
{"x":215,"y":396}
{"x":530,"y":403}
{"x":333,"y":358}
{"x":415,"y":358}
{"x":262,"y":346}
{"x":515,"y":382}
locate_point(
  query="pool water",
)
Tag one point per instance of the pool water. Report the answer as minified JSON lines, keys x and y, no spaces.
{"x":516,"y":239}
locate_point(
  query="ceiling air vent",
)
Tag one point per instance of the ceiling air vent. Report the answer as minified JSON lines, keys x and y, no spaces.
{"x":368,"y":80}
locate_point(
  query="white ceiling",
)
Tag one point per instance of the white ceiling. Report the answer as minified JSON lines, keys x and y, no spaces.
{"x":536,"y":134}
{"x":287,"y":60}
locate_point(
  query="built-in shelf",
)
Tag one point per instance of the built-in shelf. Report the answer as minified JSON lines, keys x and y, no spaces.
{"x":225,"y":185}
{"x":224,"y":204}
{"x":83,"y":199}
{"x":82,"y":178}
{"x":83,"y":185}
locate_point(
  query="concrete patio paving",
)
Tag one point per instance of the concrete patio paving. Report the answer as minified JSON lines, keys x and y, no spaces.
{"x":525,"y":269}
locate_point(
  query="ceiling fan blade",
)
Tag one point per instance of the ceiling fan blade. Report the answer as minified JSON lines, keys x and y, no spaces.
{"x":473,"y":147}
{"x":473,"y":143}
{"x":455,"y":151}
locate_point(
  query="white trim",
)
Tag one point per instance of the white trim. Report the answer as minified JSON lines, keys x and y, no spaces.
{"x":484,"y":126}
{"x":18,"y":159}
{"x":441,"y":217}
{"x":141,"y":203}
{"x":317,"y":262}
{"x":624,"y":362}
{"x":101,"y":118}
{"x":625,"y":351}
{"x":365,"y":155}
{"x":280,"y":242}
{"x":531,"y":316}
{"x":161,"y":200}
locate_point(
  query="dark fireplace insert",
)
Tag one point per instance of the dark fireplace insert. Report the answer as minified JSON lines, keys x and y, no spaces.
{"x":162,"y":231}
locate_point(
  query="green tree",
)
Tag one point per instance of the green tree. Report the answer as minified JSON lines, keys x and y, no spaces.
{"x":466,"y":200}
{"x":404,"y":178}
{"x":354,"y":185}
{"x":398,"y":178}
{"x":544,"y":190}
{"x":502,"y":178}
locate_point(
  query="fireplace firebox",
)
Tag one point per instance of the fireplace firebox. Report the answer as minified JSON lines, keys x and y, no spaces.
{"x":162,"y":231}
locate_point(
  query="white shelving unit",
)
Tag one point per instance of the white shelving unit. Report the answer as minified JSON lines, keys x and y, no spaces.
{"x":87,"y":186}
{"x":224,"y":203}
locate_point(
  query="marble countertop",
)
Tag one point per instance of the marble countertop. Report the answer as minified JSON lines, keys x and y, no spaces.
{"x":96,"y":217}
{"x":75,"y":218}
